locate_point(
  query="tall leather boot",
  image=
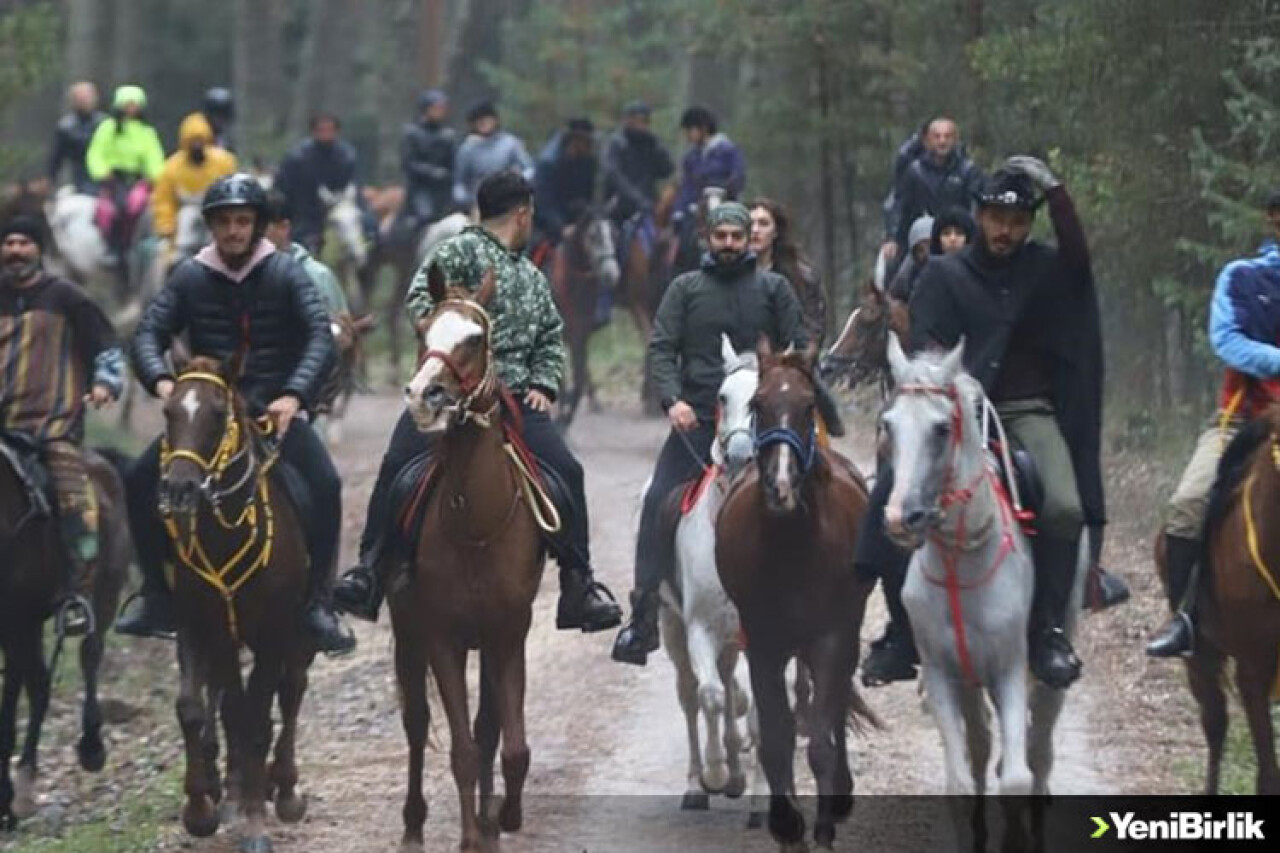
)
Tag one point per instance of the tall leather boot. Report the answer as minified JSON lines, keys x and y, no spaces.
{"x":639,"y":636}
{"x":1053,"y":660}
{"x":1178,"y":636}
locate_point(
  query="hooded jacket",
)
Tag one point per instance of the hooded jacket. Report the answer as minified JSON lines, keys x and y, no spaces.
{"x":562,"y":186}
{"x":716,"y":163}
{"x":126,"y":145}
{"x":182,"y":178}
{"x":481,"y":156}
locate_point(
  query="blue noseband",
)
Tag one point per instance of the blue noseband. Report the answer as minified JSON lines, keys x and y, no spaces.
{"x":806,"y":450}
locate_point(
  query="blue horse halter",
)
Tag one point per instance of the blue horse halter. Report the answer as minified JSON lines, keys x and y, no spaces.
{"x":808,"y":451}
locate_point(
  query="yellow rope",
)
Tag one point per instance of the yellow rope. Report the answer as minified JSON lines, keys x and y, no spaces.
{"x":545,"y":514}
{"x":1227,"y":414}
{"x":1251,"y":535}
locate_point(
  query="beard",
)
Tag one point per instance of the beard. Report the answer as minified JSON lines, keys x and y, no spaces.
{"x":19,"y":269}
{"x":728,"y":257}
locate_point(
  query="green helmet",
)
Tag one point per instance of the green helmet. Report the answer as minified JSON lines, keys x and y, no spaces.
{"x":130,"y":94}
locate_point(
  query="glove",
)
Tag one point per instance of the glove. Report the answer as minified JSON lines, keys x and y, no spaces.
{"x":1035,"y":169}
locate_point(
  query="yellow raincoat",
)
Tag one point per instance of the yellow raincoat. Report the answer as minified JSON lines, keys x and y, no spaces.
{"x":181,"y":178}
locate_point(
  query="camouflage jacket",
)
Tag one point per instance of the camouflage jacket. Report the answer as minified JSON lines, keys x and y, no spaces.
{"x":527,"y":329}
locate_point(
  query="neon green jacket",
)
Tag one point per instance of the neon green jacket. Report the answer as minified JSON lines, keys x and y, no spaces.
{"x":135,"y":150}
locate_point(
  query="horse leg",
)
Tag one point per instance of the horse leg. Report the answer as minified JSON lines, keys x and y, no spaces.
{"x":487,"y":732}
{"x":209,"y":747}
{"x":944,"y":701}
{"x":1016,"y":779}
{"x":1254,"y":676}
{"x":255,"y":727}
{"x":1045,"y":707}
{"x":704,"y":660}
{"x":736,"y":784}
{"x":977,"y":732}
{"x":675,"y":642}
{"x":803,"y":685}
{"x":510,"y":689}
{"x":199,"y":814}
{"x":449,"y":663}
{"x":830,"y":662}
{"x":283,"y":774}
{"x":777,"y":743}
{"x":36,"y":679}
{"x":415,"y":716}
{"x":90,"y":749}
{"x":13,"y":677}
{"x":1204,"y":674}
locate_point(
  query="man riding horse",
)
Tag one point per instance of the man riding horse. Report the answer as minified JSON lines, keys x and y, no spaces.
{"x":241,"y":298}
{"x":729,"y":296}
{"x":633,"y":163}
{"x":61,"y":354}
{"x":1244,"y":327}
{"x":322,"y":160}
{"x":1028,"y":314}
{"x":427,"y":149}
{"x":528,"y":346}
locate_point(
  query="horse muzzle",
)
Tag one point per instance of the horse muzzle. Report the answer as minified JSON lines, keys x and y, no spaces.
{"x":428,"y":406}
{"x":908,"y":525}
{"x":177,"y":497}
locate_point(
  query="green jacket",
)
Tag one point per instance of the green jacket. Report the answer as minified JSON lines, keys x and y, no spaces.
{"x":742,"y":302}
{"x":136,"y":150}
{"x":323,"y":278}
{"x":528,"y":341}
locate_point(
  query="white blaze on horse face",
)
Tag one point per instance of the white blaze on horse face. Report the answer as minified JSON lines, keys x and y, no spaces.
{"x":190,"y":404}
{"x":449,"y":331}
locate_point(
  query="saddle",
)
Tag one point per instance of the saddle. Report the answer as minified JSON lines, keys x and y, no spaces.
{"x":26,"y":457}
{"x":1026,"y":478}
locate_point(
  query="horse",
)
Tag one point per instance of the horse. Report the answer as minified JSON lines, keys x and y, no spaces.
{"x":344,"y":380}
{"x":83,"y":254}
{"x":581,"y":267}
{"x":699,"y":624}
{"x":1238,"y":600}
{"x":30,"y":580}
{"x":345,"y":248}
{"x":240,"y":580}
{"x":858,"y":354}
{"x":478,"y":561}
{"x":192,"y":232}
{"x":784,"y":551}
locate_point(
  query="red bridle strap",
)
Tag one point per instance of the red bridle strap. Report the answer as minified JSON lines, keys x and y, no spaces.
{"x":467,"y":384}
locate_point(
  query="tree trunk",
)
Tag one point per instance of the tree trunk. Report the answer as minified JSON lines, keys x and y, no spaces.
{"x":86,"y":36}
{"x":431,"y":43}
{"x":827,"y":164}
{"x":303,"y":102}
{"x":257,"y":76}
{"x":126,"y":53}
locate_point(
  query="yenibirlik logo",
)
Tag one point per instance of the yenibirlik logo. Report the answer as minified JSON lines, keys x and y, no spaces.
{"x":1182,"y":826}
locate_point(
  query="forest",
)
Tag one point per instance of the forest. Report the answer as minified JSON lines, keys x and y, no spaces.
{"x":1159,"y":114}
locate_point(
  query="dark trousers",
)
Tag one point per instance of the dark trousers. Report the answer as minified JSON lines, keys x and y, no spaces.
{"x":572,"y":545}
{"x":302,"y":449}
{"x":876,"y":555}
{"x":676,"y":466}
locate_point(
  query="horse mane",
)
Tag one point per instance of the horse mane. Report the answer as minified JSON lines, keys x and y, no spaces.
{"x":1237,"y":460}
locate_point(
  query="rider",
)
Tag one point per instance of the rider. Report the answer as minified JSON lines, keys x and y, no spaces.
{"x":280,"y":233}
{"x":1244,"y":326}
{"x":239,"y":296}
{"x":776,"y":250}
{"x":71,"y":139}
{"x":1029,"y":316}
{"x":427,"y":150}
{"x":713,"y":160}
{"x":125,"y":157}
{"x":187,"y":174}
{"x":564,"y":181}
{"x":728,"y":295}
{"x":219,"y":109}
{"x":529,"y":352}
{"x":322,"y":160}
{"x":487,"y":150}
{"x":62,"y":355}
{"x":634,"y":162}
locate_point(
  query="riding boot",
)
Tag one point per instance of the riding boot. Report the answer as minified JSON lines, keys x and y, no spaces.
{"x":1103,"y":590}
{"x":1053,"y":660}
{"x":153,"y":614}
{"x":893,"y":657}
{"x":1178,"y":636}
{"x":640,"y":635}
{"x":585,"y":603}
{"x":359,"y":591}
{"x":331,"y":636}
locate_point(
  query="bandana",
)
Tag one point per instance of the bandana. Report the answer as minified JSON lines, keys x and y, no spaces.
{"x":729,"y":213}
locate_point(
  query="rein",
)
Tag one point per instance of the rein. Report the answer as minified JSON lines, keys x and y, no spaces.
{"x":473,"y":388}
{"x":256,"y":514}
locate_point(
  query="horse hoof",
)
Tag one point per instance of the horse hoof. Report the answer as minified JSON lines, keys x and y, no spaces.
{"x":291,"y":808}
{"x":786,"y":824}
{"x":228,"y":810}
{"x":200,"y":817}
{"x":92,"y":754}
{"x":695,"y":801}
{"x":841,"y":807}
{"x":824,"y":837}
{"x":755,"y":820}
{"x":736,"y":787}
{"x":410,"y":847}
{"x":24,"y":794}
{"x":8,"y":822}
{"x":257,"y":844}
{"x":793,"y":847}
{"x":510,"y":816}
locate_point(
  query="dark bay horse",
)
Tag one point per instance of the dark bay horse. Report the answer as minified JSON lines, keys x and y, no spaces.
{"x":240,"y":573}
{"x":859,"y":354}
{"x":31,"y":577}
{"x":583,"y":265}
{"x":784,"y":549}
{"x":478,"y":562}
{"x":1238,"y":601}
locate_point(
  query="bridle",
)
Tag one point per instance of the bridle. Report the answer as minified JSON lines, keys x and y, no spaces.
{"x":806,"y":448}
{"x":474,"y":388}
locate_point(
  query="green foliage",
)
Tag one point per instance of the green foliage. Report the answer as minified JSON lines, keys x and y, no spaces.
{"x":28,"y":48}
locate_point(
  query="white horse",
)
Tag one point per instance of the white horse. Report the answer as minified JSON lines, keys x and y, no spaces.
{"x":970,"y":583}
{"x":699,"y":624}
{"x":345,"y":221}
{"x":192,"y":232}
{"x":439,"y":231}
{"x":82,"y":254}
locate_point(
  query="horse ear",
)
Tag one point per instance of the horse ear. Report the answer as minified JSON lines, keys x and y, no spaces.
{"x":764,"y":349}
{"x":953,"y":363}
{"x":810,"y":355}
{"x":898,"y":362}
{"x":488,"y":287}
{"x":881,"y":272}
{"x":436,"y":285}
{"x":730,"y":356}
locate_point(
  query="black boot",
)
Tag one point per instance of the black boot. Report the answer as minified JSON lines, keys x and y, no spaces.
{"x":1105,"y":590}
{"x":359,"y":591}
{"x":1053,"y":660}
{"x":893,"y":657}
{"x":639,"y":636}
{"x":331,"y":636}
{"x":1178,"y":636}
{"x":585,"y":603}
{"x":149,"y":613}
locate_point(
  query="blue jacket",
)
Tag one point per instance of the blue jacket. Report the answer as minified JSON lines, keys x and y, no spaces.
{"x":717,"y":163}
{"x":563,"y":187}
{"x":1244,"y":317}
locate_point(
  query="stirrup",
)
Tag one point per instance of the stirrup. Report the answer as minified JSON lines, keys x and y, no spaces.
{"x":62,"y":621}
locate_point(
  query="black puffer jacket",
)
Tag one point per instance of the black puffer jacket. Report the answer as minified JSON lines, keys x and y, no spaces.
{"x":290,"y":346}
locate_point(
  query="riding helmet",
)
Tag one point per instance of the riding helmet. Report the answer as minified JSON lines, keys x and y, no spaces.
{"x":238,"y":190}
{"x":219,"y":102}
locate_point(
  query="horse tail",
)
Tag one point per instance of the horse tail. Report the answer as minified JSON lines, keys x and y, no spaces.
{"x":861,"y":717}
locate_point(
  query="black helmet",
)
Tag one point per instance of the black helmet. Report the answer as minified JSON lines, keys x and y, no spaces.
{"x":219,"y":102}
{"x":428,"y":98}
{"x":238,"y":190}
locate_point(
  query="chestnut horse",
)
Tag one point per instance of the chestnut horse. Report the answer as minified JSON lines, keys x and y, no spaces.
{"x":784,"y":549}
{"x":859,"y":354}
{"x":1238,"y":601}
{"x":240,"y":579}
{"x":30,"y":580}
{"x":478,"y":562}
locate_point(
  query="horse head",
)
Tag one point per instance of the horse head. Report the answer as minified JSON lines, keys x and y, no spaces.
{"x":858,"y":355}
{"x":932,"y":434}
{"x":203,"y":435}
{"x":786,"y":441}
{"x":192,"y":231}
{"x":344,"y":217}
{"x":456,"y":380}
{"x":735,"y":423}
{"x":594,"y":239}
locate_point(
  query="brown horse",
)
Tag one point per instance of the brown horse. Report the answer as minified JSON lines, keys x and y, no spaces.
{"x":240,"y":572}
{"x":30,"y":580}
{"x":859,"y":354}
{"x":479,"y":560}
{"x":784,"y":549}
{"x":1238,"y":602}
